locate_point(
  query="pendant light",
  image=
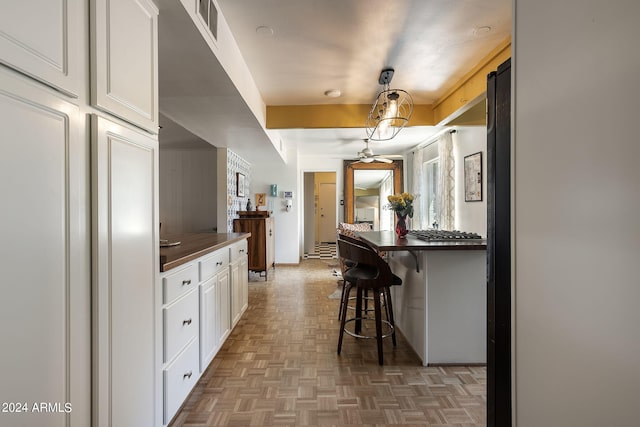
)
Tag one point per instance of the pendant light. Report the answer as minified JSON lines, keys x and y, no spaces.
{"x":390,"y":112}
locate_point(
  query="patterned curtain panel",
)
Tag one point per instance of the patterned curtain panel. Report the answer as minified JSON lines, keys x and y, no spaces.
{"x":446,"y":193}
{"x":418,"y":188}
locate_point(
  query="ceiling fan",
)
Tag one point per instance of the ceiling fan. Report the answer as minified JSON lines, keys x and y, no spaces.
{"x":367,"y":156}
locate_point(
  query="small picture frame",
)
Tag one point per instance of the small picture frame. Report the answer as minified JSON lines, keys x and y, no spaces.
{"x":239,"y":184}
{"x":473,"y":177}
{"x":261,"y":199}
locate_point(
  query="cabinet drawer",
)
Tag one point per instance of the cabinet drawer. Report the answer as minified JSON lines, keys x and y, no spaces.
{"x":238,"y":250}
{"x":179,"y":282}
{"x":179,"y":378}
{"x":181,"y":324}
{"x":215,"y":262}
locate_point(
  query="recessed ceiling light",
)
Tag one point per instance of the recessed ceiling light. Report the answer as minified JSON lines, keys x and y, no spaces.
{"x":481,"y":31}
{"x":264,"y":31}
{"x":332,"y":93}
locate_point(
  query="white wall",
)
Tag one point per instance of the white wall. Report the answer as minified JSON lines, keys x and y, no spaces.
{"x":470,"y":216}
{"x":287,"y":224}
{"x":577,"y":198}
{"x":187,"y":190}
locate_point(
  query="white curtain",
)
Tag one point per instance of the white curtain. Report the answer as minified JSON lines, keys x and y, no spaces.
{"x":418,"y":188}
{"x":446,"y":194}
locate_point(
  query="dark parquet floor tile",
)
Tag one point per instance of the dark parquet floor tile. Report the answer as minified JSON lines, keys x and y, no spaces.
{"x":279,"y":367}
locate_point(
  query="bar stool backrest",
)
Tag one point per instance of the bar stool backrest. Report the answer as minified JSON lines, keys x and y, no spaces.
{"x":363,"y":255}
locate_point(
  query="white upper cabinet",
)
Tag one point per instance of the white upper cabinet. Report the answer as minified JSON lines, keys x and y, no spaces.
{"x":44,"y":222}
{"x":124,"y":76}
{"x":45,"y":40}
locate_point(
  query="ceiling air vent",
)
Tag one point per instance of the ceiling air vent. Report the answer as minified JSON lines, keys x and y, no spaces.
{"x":209,"y":14}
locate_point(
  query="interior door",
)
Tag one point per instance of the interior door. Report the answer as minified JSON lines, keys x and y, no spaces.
{"x":327,"y":212}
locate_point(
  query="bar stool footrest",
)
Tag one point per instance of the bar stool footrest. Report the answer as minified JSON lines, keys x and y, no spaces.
{"x":355,"y":335}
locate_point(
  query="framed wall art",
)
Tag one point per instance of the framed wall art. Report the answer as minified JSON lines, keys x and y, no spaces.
{"x":473,"y":177}
{"x":239,"y":184}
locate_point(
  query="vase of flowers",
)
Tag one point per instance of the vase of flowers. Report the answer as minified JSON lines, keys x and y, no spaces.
{"x":402,"y":205}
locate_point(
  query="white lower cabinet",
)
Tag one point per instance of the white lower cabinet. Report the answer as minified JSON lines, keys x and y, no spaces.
{"x":224,"y":307}
{"x":179,"y":378}
{"x":197,"y":318}
{"x":239,"y":280}
{"x":209,"y":341}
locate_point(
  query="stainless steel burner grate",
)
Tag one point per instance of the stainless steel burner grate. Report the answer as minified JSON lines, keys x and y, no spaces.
{"x":443,"y":235}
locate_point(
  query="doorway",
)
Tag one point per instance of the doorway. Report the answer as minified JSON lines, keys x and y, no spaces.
{"x":320,"y":214}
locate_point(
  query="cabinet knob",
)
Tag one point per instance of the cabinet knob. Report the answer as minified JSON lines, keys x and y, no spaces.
{"x":187,"y":375}
{"x":241,"y":251}
{"x":186,"y":322}
{"x":186,"y":282}
{"x":270,"y":233}
{"x":219,"y":263}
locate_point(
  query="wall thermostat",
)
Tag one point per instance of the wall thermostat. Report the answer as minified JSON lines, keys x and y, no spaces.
{"x":287,"y":194}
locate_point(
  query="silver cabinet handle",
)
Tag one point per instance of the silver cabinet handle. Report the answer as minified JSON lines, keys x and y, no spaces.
{"x":241,"y":251}
{"x":186,"y":322}
{"x":186,"y":282}
{"x":187,"y":375}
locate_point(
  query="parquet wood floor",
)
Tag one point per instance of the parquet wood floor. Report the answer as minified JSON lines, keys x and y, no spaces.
{"x":279,"y":367}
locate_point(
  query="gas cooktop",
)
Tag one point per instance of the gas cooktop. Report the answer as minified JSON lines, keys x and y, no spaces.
{"x":434,"y":235}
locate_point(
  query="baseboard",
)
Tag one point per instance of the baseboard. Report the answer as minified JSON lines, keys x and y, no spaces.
{"x":287,"y":264}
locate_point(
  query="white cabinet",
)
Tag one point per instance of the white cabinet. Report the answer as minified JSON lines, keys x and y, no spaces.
{"x":214,"y":301}
{"x":44,"y":223}
{"x":239,"y":280}
{"x":224,"y":307}
{"x":180,"y":336}
{"x":179,"y":378}
{"x":45,"y":40}
{"x":185,"y":356}
{"x":126,"y":265}
{"x":209,"y":340}
{"x":124,"y":59}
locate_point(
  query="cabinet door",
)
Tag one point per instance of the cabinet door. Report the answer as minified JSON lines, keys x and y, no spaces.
{"x":209,"y":340}
{"x":45,"y":39}
{"x":236,"y":293}
{"x":223,"y":306}
{"x":126,"y":267}
{"x":125,"y":60}
{"x":45,"y":306}
{"x":243,"y":273}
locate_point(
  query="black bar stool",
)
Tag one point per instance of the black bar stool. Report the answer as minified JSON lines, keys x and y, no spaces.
{"x":371,"y":272}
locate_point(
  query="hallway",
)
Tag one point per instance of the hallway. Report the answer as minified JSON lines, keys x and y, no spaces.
{"x":279,"y":367}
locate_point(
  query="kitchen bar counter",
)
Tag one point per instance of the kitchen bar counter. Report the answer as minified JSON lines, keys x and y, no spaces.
{"x":194,"y":245}
{"x":388,"y":241}
{"x":441,"y":305}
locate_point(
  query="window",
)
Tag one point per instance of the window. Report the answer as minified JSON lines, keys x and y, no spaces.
{"x":432,"y":184}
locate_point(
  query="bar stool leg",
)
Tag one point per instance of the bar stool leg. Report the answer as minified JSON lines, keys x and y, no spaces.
{"x":359,"y":312}
{"x":343,"y":318}
{"x":342,"y":302}
{"x":389,"y":307}
{"x":378,"y":314}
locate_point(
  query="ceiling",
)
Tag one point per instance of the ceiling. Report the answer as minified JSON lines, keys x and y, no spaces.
{"x":296,"y":50}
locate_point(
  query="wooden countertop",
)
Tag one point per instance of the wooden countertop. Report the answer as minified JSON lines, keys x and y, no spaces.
{"x":388,"y":241}
{"x":194,"y":245}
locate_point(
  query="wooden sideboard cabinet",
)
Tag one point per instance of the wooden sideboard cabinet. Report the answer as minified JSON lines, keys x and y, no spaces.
{"x":262,"y":240}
